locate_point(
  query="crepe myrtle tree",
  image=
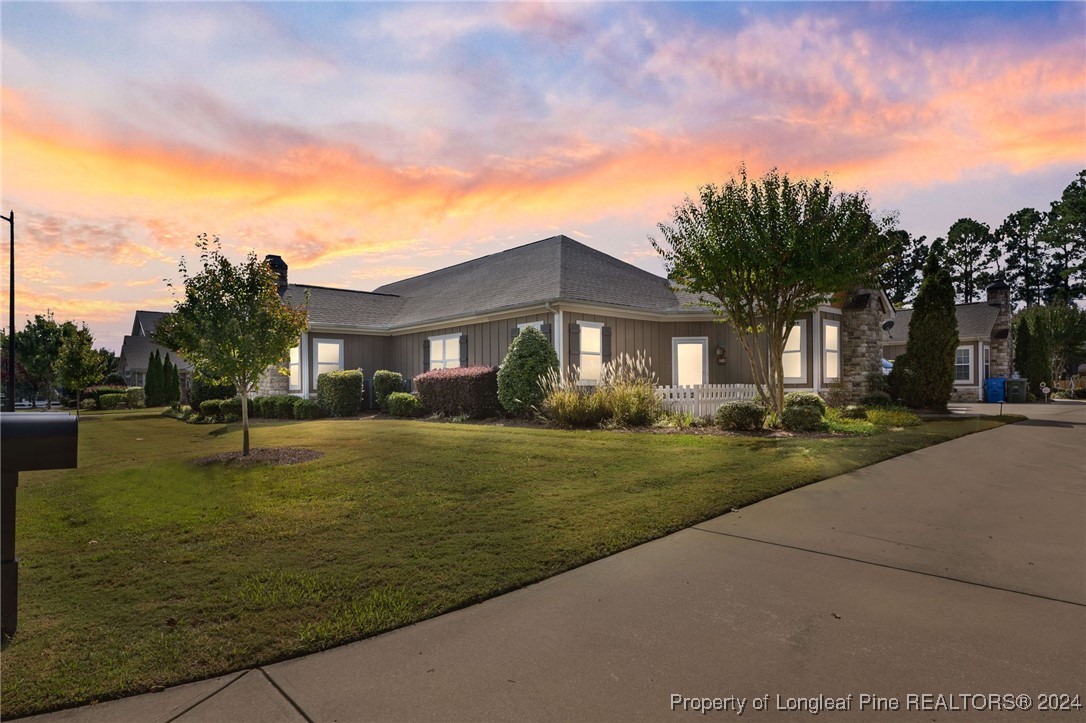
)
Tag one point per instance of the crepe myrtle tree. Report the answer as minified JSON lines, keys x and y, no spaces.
{"x":231,"y":324}
{"x":760,"y":253}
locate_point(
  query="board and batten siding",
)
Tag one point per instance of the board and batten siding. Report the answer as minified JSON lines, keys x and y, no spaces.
{"x":654,"y":338}
{"x":487,"y":343}
{"x":360,"y":351}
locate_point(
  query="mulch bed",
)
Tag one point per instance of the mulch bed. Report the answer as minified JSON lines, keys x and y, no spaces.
{"x":262,"y":455}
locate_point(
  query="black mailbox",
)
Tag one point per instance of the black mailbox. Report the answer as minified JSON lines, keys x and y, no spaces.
{"x":38,"y":441}
{"x":27,"y":442}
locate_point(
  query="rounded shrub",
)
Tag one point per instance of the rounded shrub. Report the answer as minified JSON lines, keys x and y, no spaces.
{"x":202,"y":389}
{"x":877,"y":399}
{"x":805,"y":399}
{"x":282,"y":406}
{"x":110,"y":401}
{"x":854,"y":411}
{"x":231,"y":408}
{"x":743,"y":416}
{"x":801,"y":418}
{"x":529,"y":358}
{"x":402,"y":404}
{"x":384,"y":384}
{"x":134,"y":397}
{"x":88,"y":403}
{"x":340,"y":394}
{"x":212,"y":408}
{"x":260,"y":407}
{"x":307,"y":409}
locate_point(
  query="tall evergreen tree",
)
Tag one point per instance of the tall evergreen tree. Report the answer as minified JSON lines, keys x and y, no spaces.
{"x":1032,"y":352}
{"x":923,"y":377}
{"x":1065,"y":235}
{"x":152,"y":385}
{"x":970,"y":251}
{"x":1026,"y":257}
{"x":172,"y":381}
{"x":901,"y":274}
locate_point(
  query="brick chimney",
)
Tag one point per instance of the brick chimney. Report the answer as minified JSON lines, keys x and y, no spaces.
{"x":999,"y":294}
{"x":279,"y":266}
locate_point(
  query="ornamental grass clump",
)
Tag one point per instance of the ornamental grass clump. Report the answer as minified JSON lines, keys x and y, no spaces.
{"x":625,"y":396}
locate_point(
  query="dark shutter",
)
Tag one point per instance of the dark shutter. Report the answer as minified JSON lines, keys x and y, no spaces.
{"x":605,"y":345}
{"x":426,"y":355}
{"x":463,"y":350}
{"x":548,"y":331}
{"x":575,"y":344}
{"x":514,"y":333}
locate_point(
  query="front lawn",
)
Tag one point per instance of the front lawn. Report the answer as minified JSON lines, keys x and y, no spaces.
{"x":141,"y":569}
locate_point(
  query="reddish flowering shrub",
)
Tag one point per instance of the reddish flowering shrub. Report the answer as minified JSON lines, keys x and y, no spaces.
{"x":464,"y":391}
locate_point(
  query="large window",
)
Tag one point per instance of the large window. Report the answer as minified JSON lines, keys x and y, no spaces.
{"x":792,"y":360}
{"x":445,"y":351}
{"x":591,"y":351}
{"x":295,"y":369}
{"x":327,"y":357}
{"x":963,"y":364}
{"x":690,"y":360}
{"x":831,"y":350}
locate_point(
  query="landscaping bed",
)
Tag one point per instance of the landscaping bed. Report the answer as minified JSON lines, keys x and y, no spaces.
{"x":141,"y":569}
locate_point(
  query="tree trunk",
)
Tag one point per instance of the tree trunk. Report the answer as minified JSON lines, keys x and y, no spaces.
{"x":244,"y":394}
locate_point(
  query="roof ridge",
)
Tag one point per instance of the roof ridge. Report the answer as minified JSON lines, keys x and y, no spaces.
{"x":470,"y":261}
{"x":350,"y":291}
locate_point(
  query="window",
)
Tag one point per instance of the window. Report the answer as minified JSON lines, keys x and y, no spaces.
{"x":591,"y":351}
{"x":538,"y":325}
{"x":987,"y":362}
{"x":445,"y":351}
{"x":327,"y":356}
{"x":831,"y":350}
{"x":295,"y":369}
{"x":795,"y":347}
{"x":963,"y":364}
{"x":690,"y":360}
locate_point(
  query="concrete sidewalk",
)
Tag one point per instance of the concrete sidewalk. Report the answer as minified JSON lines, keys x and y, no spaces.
{"x":958,"y":569}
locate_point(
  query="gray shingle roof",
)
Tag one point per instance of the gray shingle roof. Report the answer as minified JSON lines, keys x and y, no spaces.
{"x":974,"y":320}
{"x":136,"y":350}
{"x":342,"y":307}
{"x":146,"y":322}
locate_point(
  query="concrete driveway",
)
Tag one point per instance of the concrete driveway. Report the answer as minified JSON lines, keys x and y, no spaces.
{"x":949,"y":583}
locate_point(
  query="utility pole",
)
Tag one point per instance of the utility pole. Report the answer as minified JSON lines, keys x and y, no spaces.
{"x":9,"y":404}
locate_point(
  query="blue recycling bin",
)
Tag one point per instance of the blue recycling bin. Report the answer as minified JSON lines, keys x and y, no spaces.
{"x":993,"y":389}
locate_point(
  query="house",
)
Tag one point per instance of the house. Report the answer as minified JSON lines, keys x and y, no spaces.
{"x":137,"y":348}
{"x":984,"y":341}
{"x":591,"y":306}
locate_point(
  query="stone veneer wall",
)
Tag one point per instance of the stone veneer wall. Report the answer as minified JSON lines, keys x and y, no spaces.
{"x":861,"y":341}
{"x":272,"y":382}
{"x":1000,"y":343}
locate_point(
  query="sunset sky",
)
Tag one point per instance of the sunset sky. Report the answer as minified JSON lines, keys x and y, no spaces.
{"x":370,"y":142}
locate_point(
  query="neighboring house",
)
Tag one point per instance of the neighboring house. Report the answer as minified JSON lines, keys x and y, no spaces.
{"x":136,"y":351}
{"x":591,"y":306}
{"x":984,"y":341}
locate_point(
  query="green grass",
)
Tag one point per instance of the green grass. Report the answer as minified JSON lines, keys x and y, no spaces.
{"x":141,"y":569}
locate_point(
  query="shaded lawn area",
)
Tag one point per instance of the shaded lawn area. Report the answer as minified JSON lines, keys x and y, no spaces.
{"x":142,"y":569}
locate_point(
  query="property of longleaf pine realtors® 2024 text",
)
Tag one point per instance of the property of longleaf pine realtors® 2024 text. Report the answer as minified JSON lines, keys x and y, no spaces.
{"x":950,"y":702}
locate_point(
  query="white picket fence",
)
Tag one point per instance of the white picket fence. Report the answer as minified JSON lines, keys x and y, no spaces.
{"x":702,"y":400}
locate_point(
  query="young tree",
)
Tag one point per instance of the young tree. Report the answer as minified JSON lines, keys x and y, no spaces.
{"x":901,"y":274}
{"x":152,"y":383}
{"x":36,"y":348}
{"x":232,"y":324}
{"x":760,"y":253}
{"x":923,"y":377}
{"x":1065,"y":235}
{"x":1026,"y":256}
{"x":78,"y":364}
{"x":970,"y":249}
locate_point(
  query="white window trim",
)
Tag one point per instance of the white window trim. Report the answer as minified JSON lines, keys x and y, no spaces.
{"x":444,"y":359}
{"x":580,"y":359}
{"x":316,"y":348}
{"x":802,"y":355}
{"x":675,"y":341}
{"x":986,"y":361}
{"x":301,"y":379}
{"x":964,"y":382}
{"x":825,"y":350}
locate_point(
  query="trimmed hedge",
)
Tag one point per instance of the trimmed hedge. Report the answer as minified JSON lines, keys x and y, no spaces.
{"x":212,"y":408}
{"x":740,"y":415}
{"x":98,"y":390}
{"x":530,"y":357}
{"x":134,"y":398}
{"x":402,"y":404}
{"x":805,"y":399}
{"x":464,"y":391}
{"x":307,"y":409}
{"x":202,"y":390}
{"x":877,"y":399}
{"x":801,"y":418}
{"x":110,"y":401}
{"x":231,"y":408}
{"x":340,"y":394}
{"x":384,"y":384}
{"x":88,"y":404}
{"x":282,"y":406}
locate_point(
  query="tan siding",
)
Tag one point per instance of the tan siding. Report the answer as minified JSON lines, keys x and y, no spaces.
{"x":360,"y":351}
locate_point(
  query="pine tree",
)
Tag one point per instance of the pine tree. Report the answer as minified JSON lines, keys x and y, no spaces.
{"x":924,"y":377}
{"x":1027,"y":256}
{"x":970,"y":250}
